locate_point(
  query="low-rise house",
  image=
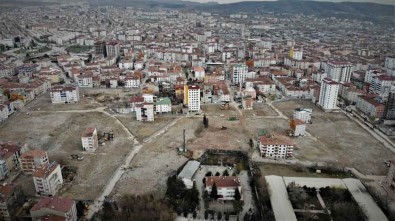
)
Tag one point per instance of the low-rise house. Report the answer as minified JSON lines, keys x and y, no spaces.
{"x":298,"y":127}
{"x":226,"y":186}
{"x":56,"y":207}
{"x":199,"y":72}
{"x":145,"y":112}
{"x":89,"y":139}
{"x":163,"y":105}
{"x":85,"y":80}
{"x":187,"y":173}
{"x":48,"y":179}
{"x":303,"y":114}
{"x":33,"y":159}
{"x":275,"y":147}
{"x":64,"y":94}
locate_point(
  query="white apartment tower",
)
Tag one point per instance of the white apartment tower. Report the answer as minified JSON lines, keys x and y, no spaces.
{"x":48,"y":179}
{"x":328,"y":94}
{"x":145,"y":112}
{"x":339,"y":71}
{"x":192,"y":97}
{"x":89,"y":139}
{"x":303,"y":114}
{"x":239,"y":72}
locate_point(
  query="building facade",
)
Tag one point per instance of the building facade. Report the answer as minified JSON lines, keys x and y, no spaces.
{"x":303,"y":114}
{"x":89,"y":139}
{"x":61,"y":208}
{"x":61,"y":94}
{"x":328,"y":94}
{"x":339,"y":71}
{"x":192,"y":98}
{"x":33,"y":159}
{"x":48,"y":179}
{"x":275,"y":147}
{"x":226,"y":186}
{"x":239,"y":72}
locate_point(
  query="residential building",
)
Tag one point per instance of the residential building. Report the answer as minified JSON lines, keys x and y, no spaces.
{"x":3,"y":113}
{"x":275,"y":147}
{"x":33,"y":159}
{"x":339,"y":71}
{"x":390,"y":106}
{"x":370,"y":107}
{"x":381,"y":85}
{"x":10,"y":195}
{"x":134,"y":101}
{"x":132,"y":81}
{"x":298,"y":127}
{"x":113,"y":49}
{"x":145,"y":112}
{"x":163,"y":105}
{"x":239,"y":72}
{"x":48,"y":179}
{"x":84,"y":80}
{"x":60,"y":208}
{"x":328,"y":94}
{"x":10,"y":153}
{"x":64,"y":94}
{"x":199,"y":72}
{"x":89,"y":139}
{"x":296,"y":54}
{"x":192,"y":97}
{"x":187,"y":173}
{"x":4,"y":172}
{"x":303,"y":114}
{"x":226,"y":186}
{"x":391,"y":176}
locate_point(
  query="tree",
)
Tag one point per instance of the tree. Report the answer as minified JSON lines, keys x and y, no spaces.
{"x":206,"y":214}
{"x":219,"y":216}
{"x":194,"y":215}
{"x":209,"y":173}
{"x":214,"y":192}
{"x":237,"y":194}
{"x":205,"y":121}
{"x":225,"y":173}
{"x":226,"y":216}
{"x":80,"y":208}
{"x":217,"y":174}
{"x":237,"y":206}
{"x":234,"y":174}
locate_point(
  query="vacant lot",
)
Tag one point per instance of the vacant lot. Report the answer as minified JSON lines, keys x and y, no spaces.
{"x":261,"y":110}
{"x":335,"y":136}
{"x":156,"y":161}
{"x":143,"y":130}
{"x":59,"y":134}
{"x":215,"y":110}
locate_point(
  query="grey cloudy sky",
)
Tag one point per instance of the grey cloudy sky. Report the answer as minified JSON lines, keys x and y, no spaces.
{"x":375,"y":1}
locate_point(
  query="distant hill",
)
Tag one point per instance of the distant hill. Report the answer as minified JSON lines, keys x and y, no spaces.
{"x":351,"y":10}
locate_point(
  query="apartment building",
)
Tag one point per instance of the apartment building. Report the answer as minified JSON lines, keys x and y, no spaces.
{"x":89,"y":139}
{"x":48,"y":179}
{"x":54,"y":207}
{"x":275,"y":147}
{"x":303,"y":114}
{"x":4,"y":172}
{"x":132,"y":81}
{"x":381,"y":85}
{"x":370,"y":107}
{"x":145,"y":112}
{"x":163,"y":105}
{"x":339,"y":71}
{"x":9,"y":195}
{"x":10,"y":153}
{"x":33,"y":159}
{"x":296,"y":54}
{"x":192,"y":97}
{"x":64,"y":94}
{"x":199,"y":72}
{"x":328,"y":94}
{"x":3,"y":112}
{"x":239,"y":72}
{"x":113,"y":49}
{"x":298,"y":127}
{"x":226,"y":186}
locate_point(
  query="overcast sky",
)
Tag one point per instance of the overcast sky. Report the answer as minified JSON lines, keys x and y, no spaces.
{"x":231,"y":1}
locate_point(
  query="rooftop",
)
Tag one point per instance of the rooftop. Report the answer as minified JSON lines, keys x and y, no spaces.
{"x":54,"y":203}
{"x":223,"y":181}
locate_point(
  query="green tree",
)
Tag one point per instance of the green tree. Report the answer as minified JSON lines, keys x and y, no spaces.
{"x":217,"y":174}
{"x":219,"y":216}
{"x":226,"y":216}
{"x":237,"y":194}
{"x":237,"y":206}
{"x":206,"y":214}
{"x":225,"y":173}
{"x":205,"y":121}
{"x":214,"y":192}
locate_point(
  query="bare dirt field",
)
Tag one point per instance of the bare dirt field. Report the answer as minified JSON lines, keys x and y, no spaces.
{"x":336,"y":136}
{"x":59,"y":134}
{"x":261,"y":110}
{"x":156,"y":161}
{"x":215,"y":110}
{"x":143,"y":130}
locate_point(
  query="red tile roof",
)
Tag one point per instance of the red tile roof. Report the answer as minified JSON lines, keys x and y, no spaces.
{"x":223,"y":181}
{"x":54,"y":203}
